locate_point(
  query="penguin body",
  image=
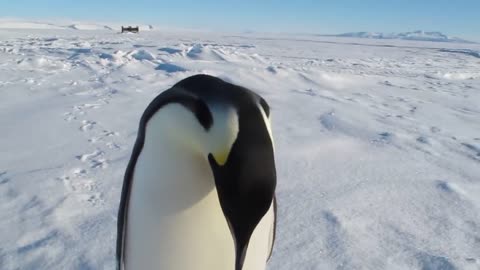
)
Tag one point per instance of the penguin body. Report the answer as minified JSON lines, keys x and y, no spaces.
{"x":198,"y":191}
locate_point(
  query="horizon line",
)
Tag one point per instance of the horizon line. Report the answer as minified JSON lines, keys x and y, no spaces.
{"x":210,"y":29}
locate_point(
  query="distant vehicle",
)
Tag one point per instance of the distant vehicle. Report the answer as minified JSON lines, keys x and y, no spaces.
{"x":130,"y":29}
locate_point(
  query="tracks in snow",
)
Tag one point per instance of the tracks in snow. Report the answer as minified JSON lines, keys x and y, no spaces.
{"x":82,"y":180}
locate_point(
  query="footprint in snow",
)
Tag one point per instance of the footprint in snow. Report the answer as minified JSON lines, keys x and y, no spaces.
{"x":87,"y":125}
{"x":94,"y":199}
{"x":86,"y":157}
{"x":79,"y":171}
{"x":423,"y":140}
{"x":69,"y":117}
{"x":107,"y":133}
{"x":3,"y":179}
{"x":435,"y":129}
{"x":113,"y":145}
{"x":73,"y":183}
{"x":82,"y":187}
{"x":95,"y":159}
{"x":384,"y":138}
{"x":103,"y":135}
{"x":87,"y":106}
{"x":98,"y":163}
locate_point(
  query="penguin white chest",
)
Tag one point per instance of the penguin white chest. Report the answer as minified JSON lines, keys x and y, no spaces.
{"x":176,"y":221}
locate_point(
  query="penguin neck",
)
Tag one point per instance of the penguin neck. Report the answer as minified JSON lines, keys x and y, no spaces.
{"x":173,"y":162}
{"x":172,"y":167}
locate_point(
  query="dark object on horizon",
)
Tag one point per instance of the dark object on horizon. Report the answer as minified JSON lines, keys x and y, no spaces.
{"x":130,"y":29}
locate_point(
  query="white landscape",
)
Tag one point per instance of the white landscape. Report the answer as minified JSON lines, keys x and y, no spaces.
{"x":377,"y":141}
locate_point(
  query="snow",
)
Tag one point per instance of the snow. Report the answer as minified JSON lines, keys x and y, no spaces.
{"x":89,"y":27}
{"x":377,"y":142}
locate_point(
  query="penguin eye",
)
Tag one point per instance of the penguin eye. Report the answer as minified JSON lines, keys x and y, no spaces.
{"x":265,"y":107}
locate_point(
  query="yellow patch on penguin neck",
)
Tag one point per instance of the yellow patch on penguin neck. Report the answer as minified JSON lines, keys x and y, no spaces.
{"x":221,"y":157}
{"x":223,"y":133}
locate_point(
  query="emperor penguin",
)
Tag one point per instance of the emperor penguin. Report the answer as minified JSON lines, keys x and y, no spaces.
{"x":199,"y":189}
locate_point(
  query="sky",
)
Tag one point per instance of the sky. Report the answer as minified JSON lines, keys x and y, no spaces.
{"x":453,"y":17}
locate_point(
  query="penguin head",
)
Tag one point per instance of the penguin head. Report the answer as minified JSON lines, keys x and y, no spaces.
{"x":239,"y":149}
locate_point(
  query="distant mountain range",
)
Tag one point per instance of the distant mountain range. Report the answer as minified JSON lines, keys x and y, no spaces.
{"x":416,"y":35}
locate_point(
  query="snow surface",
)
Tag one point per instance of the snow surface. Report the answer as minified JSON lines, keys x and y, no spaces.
{"x":377,"y":142}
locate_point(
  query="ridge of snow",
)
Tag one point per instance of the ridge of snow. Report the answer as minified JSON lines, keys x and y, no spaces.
{"x":89,"y":27}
